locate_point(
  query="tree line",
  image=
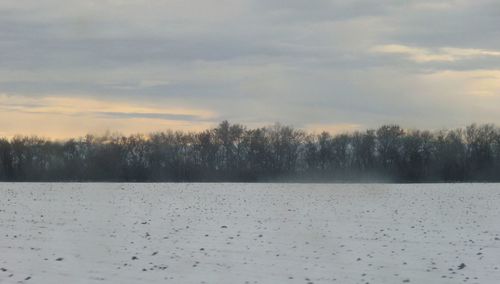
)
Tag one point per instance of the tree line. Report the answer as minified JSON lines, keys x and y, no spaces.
{"x":235,"y":153}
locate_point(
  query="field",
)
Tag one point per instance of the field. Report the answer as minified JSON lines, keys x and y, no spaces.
{"x":249,"y":233}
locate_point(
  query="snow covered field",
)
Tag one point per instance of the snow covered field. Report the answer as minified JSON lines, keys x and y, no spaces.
{"x":249,"y":233}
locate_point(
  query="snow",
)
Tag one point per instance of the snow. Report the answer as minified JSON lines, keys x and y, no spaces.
{"x":249,"y":233}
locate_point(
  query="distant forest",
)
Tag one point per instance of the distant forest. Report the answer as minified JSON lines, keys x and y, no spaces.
{"x":234,"y":153}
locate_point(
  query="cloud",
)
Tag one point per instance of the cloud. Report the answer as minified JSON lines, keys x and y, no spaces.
{"x":443,"y":54}
{"x":86,"y":65}
{"x":481,"y":83}
{"x":63,"y":117}
{"x":149,"y":115}
{"x":77,"y":106}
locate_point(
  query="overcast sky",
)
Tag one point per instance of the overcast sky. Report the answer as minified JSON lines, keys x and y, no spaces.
{"x":72,"y":67}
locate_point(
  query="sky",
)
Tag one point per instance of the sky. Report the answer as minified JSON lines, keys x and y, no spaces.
{"x":68,"y":68}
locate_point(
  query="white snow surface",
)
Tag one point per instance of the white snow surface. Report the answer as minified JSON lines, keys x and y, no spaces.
{"x":249,"y":233}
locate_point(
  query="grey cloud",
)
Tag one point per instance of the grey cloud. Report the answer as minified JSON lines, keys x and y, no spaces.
{"x":472,"y":24}
{"x":294,"y":61}
{"x":162,"y":116}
